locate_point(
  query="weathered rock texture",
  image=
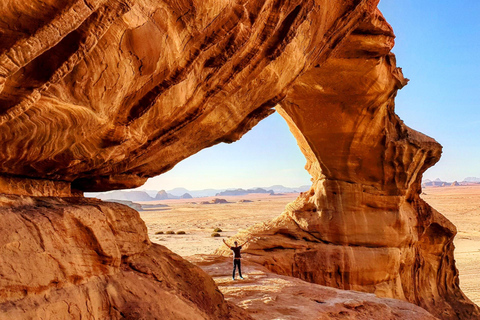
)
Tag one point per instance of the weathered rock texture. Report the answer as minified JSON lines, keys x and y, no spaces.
{"x":107,"y":93}
{"x":102,"y":94}
{"x":362,"y":225}
{"x":73,"y":258}
{"x":266,"y":296}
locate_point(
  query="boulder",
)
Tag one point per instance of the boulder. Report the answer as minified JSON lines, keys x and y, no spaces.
{"x":74,"y":258}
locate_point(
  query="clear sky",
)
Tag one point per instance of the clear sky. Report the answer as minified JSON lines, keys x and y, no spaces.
{"x":265,"y":156}
{"x":437,"y":45}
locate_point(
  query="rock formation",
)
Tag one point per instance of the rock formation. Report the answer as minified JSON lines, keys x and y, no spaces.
{"x":99,"y":95}
{"x":161,"y":195}
{"x":122,"y":195}
{"x":131,"y":204}
{"x":289,"y":298}
{"x":214,"y":201}
{"x":242,"y":192}
{"x":76,"y":258}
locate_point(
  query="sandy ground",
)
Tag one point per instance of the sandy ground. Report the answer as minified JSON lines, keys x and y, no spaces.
{"x":199,"y":220}
{"x":459,"y":204}
{"x":266,"y":295}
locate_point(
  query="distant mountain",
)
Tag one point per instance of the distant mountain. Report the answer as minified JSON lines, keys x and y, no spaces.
{"x":122,"y":195}
{"x":440,"y":183}
{"x":435,"y":183}
{"x":281,"y":189}
{"x":131,"y":204}
{"x":178,"y":191}
{"x":304,"y":188}
{"x":161,"y":195}
{"x":195,"y":193}
{"x":182,"y":193}
{"x":242,"y":192}
{"x":151,"y":193}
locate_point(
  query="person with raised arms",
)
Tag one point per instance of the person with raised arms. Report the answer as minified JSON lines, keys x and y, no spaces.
{"x":236,"y":257}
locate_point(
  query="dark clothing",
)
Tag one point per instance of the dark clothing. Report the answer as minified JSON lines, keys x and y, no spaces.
{"x":236,"y":262}
{"x":236,"y":252}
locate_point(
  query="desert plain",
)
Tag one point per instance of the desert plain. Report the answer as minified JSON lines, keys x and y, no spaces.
{"x":460,"y":204}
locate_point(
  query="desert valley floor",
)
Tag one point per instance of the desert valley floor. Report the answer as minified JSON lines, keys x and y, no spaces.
{"x":461,"y":205}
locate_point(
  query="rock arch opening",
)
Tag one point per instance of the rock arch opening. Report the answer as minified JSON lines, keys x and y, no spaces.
{"x":227,"y":186}
{"x":115,"y":110}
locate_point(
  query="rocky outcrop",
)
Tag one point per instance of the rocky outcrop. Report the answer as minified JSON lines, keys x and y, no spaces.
{"x":131,"y":204}
{"x":116,"y":91}
{"x":362,"y":225}
{"x":123,"y":195}
{"x":161,"y":195}
{"x":266,"y":295}
{"x":214,"y":201}
{"x":82,"y":258}
{"x":99,"y":95}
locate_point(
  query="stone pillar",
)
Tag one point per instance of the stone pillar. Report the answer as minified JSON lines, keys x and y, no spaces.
{"x":362,"y":225}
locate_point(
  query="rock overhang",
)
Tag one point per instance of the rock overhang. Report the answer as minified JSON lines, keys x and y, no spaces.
{"x":126,"y":89}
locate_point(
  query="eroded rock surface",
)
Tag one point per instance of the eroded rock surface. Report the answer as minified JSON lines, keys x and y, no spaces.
{"x":83,"y":258}
{"x":96,"y":92}
{"x":101,"y":94}
{"x":362,"y":225}
{"x":266,"y":295}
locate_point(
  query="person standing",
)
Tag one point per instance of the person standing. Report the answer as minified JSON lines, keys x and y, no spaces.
{"x":236,"y":257}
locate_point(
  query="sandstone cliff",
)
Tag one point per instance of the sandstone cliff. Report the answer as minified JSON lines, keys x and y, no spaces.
{"x":75,"y":258}
{"x":267,"y":295}
{"x":102,"y":94}
{"x":362,"y":225}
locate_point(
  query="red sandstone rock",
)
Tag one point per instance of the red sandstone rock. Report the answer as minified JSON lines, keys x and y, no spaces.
{"x":96,"y":92}
{"x":82,"y":258}
{"x":266,"y":295}
{"x":102,"y":94}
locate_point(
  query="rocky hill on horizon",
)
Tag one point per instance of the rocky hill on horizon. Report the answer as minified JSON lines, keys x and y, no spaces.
{"x":183,"y":193}
{"x":441,"y":183}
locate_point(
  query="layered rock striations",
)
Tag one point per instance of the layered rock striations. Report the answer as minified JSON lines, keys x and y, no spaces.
{"x":97,"y":92}
{"x":362,"y":225}
{"x":81,"y":258}
{"x":99,"y":95}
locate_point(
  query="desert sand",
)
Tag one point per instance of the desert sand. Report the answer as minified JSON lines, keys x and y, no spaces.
{"x":199,"y":220}
{"x":461,"y":205}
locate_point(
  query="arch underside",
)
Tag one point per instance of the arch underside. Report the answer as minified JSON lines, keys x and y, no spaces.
{"x":100,"y":95}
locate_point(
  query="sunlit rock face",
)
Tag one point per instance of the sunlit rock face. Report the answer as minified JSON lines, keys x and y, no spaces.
{"x":102,"y":94}
{"x":77,"y":258}
{"x":107,"y":93}
{"x":362,"y":225}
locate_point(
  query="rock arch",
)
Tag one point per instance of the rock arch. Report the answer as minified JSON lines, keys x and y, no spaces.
{"x":102,"y":94}
{"x":362,"y":225}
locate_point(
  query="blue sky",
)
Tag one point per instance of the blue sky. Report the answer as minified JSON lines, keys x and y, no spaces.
{"x":437,"y":45}
{"x":265,"y":156}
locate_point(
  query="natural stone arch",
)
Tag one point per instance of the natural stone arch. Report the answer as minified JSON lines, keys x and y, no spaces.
{"x":88,"y":105}
{"x":362,"y":225}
